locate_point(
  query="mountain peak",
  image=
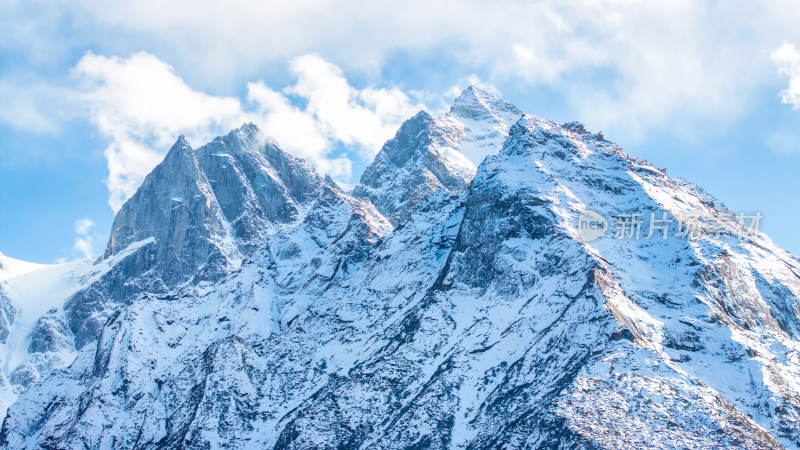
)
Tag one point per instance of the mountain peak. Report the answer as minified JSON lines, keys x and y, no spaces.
{"x":180,"y":160}
{"x":181,"y":144}
{"x":248,"y":131}
{"x":470,"y":94}
{"x":328,"y":181}
{"x":421,"y":116}
{"x":244,"y":138}
{"x":416,"y":162}
{"x":248,"y":127}
{"x":176,"y":207}
{"x":427,"y":154}
{"x":480,"y":104}
{"x":412,"y":131}
{"x":180,"y":157}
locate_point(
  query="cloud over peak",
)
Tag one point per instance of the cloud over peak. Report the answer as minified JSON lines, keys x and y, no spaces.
{"x":141,"y":105}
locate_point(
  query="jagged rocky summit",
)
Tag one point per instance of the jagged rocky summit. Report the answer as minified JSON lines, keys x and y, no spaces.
{"x":428,"y":154}
{"x":244,"y":301}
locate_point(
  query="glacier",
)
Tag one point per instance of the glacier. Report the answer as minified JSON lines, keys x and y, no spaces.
{"x":446,"y":301}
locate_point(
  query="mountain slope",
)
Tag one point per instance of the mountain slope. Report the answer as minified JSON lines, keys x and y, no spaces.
{"x":31,"y":307}
{"x":486,"y":318}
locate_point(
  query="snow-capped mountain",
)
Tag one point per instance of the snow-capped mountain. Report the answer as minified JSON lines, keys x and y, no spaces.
{"x":245,"y":301}
{"x":193,"y":220}
{"x":428,"y":154}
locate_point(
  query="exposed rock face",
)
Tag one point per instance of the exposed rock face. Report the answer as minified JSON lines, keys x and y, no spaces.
{"x":207,"y":208}
{"x":177,"y":208}
{"x":258,"y":186}
{"x":194,"y":219}
{"x":7,"y":310}
{"x":177,"y":232}
{"x":7,"y":314}
{"x":51,"y":348}
{"x":50,"y":334}
{"x":481,"y":320}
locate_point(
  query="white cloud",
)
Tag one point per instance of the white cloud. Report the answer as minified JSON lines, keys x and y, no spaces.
{"x":627,"y":65}
{"x":470,"y":80}
{"x":788,"y":60}
{"x":141,"y":105}
{"x":365,"y":118}
{"x":295,"y":130}
{"x":624,"y":66}
{"x":333,"y":112}
{"x":84,"y":243}
{"x":82,"y":226}
{"x":141,"y":95}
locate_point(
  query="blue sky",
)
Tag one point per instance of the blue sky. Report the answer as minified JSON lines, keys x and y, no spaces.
{"x":92,"y":94}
